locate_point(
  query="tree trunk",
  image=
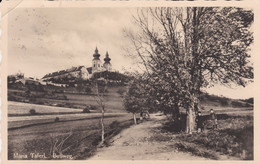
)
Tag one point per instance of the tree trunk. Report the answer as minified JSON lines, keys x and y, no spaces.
{"x":134,"y":118}
{"x":102,"y":126}
{"x":190,"y":122}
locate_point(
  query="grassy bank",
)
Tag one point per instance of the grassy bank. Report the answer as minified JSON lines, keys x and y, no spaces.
{"x":232,"y":140}
{"x":78,"y":139}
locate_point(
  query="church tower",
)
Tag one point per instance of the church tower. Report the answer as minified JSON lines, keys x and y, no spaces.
{"x":96,"y":62}
{"x":107,"y":65}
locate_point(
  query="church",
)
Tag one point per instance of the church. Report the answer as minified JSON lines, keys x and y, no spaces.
{"x":83,"y":72}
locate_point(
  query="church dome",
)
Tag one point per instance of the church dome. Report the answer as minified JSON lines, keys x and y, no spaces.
{"x":107,"y":59}
{"x":96,"y":55}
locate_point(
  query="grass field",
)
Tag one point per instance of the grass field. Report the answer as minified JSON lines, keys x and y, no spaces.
{"x":113,"y":99}
{"x":41,"y":134}
{"x":83,"y":136}
{"x":17,"y":108}
{"x":234,"y":136}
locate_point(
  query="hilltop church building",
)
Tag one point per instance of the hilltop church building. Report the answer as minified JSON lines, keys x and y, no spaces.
{"x":82,"y":71}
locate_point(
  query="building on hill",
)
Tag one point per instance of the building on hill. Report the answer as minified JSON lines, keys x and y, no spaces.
{"x":82,"y":72}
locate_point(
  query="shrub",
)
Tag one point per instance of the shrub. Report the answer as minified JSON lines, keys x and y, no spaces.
{"x":57,"y":119}
{"x":92,"y":107}
{"x":32,"y":111}
{"x":86,"y":110}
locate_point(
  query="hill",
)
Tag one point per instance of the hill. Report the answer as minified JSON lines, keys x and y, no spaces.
{"x":80,"y":94}
{"x":220,"y":101}
{"x":70,"y":97}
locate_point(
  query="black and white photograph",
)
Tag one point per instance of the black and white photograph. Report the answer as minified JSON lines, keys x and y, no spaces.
{"x":130,"y":83}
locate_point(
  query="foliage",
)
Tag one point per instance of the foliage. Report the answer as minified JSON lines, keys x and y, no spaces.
{"x":185,"y":49}
{"x":32,"y":111}
{"x":86,"y":110}
{"x":111,"y":76}
{"x":234,"y":137}
{"x":137,"y":98}
{"x":57,"y":119}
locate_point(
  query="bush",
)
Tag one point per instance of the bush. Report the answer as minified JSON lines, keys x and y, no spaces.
{"x":32,"y":111}
{"x":86,"y":110}
{"x":57,"y":119}
{"x":92,"y":107}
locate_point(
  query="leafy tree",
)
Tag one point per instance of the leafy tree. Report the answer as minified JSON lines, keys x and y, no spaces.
{"x":185,"y":49}
{"x":137,"y":97}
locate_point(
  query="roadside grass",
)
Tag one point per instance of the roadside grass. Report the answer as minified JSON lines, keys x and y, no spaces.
{"x":233,"y":138}
{"x":67,"y":118}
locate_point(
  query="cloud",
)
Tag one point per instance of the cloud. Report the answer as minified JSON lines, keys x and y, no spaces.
{"x":58,"y":38}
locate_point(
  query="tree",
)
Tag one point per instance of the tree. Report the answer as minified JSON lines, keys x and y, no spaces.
{"x":101,"y":87}
{"x":185,"y":49}
{"x":132,"y":100}
{"x":137,"y":98}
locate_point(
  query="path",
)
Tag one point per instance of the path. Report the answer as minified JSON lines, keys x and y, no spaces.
{"x":141,"y":142}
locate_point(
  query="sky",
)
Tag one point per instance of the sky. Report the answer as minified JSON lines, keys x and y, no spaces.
{"x":48,"y":39}
{"x":44,"y":40}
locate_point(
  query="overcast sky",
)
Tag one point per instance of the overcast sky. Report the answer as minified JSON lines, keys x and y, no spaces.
{"x":44,"y":40}
{"x":51,"y":39}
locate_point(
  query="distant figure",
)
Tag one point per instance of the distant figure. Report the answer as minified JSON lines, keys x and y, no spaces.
{"x":213,"y":117}
{"x":199,"y":122}
{"x":141,"y":116}
{"x":144,"y":115}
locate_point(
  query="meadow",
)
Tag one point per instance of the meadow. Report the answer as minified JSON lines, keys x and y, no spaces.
{"x":233,"y":139}
{"x":73,"y":100}
{"x":77,"y":134}
{"x":32,"y":135}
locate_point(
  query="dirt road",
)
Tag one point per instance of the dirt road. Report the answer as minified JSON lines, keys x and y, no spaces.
{"x":142,"y":142}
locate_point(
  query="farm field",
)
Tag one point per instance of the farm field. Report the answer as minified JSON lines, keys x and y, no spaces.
{"x":113,"y":99}
{"x":18,"y":108}
{"x":28,"y":134}
{"x":25,"y":121}
{"x":38,"y":133}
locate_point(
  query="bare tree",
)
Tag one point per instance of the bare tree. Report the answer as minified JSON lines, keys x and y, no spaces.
{"x":185,"y":49}
{"x":101,"y":88}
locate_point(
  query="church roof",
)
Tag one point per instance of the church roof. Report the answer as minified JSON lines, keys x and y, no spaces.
{"x":107,"y":58}
{"x":96,"y":55}
{"x":61,"y":72}
{"x":89,"y":69}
